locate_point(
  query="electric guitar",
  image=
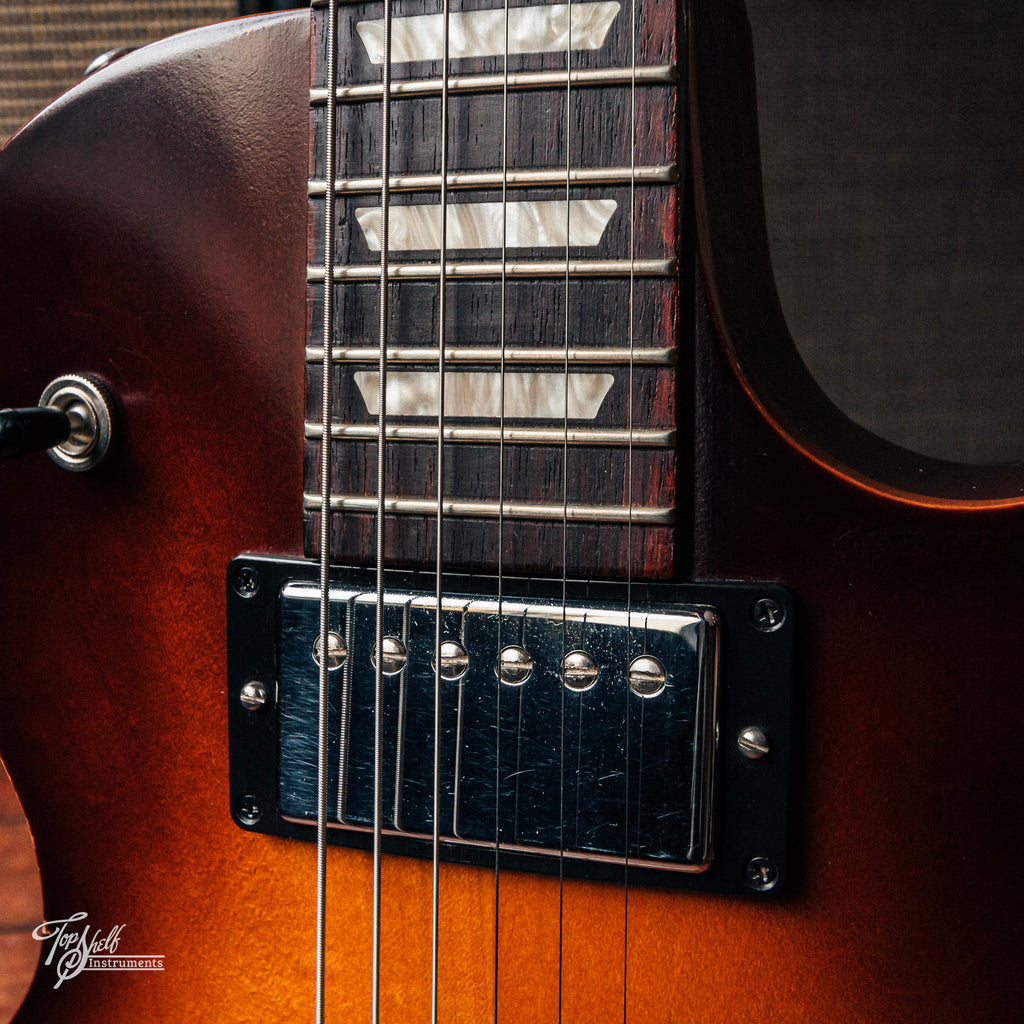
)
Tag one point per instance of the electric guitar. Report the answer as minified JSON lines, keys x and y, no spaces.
{"x":690,"y":699}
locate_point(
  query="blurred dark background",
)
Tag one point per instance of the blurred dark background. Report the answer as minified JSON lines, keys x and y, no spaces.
{"x":45,"y":46}
{"x":893,"y":151}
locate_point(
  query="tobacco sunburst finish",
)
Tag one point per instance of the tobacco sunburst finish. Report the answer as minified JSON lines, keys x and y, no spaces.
{"x":154,"y":233}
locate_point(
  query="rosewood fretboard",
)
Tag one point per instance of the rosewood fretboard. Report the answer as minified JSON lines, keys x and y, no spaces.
{"x":619,"y":305}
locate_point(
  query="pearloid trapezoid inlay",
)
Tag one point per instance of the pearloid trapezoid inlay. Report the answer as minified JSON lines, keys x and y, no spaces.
{"x":479,"y":225}
{"x":534,"y":29}
{"x":538,"y":396}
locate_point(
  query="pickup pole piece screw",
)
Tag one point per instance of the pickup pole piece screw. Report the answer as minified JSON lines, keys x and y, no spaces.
{"x":337,"y":652}
{"x":395,"y":656}
{"x":647,"y":676}
{"x":247,"y":581}
{"x":579,"y":671}
{"x":253,"y":695}
{"x":761,"y":874}
{"x":454,"y":660}
{"x":515,"y":665}
{"x":754,"y":743}
{"x":767,"y":615}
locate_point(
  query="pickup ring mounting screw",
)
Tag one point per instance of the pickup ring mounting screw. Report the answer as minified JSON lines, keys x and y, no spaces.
{"x":767,"y":615}
{"x":761,"y":874}
{"x":246,"y":581}
{"x":249,"y":810}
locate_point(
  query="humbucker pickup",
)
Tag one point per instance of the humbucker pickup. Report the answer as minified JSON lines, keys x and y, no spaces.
{"x":586,"y":731}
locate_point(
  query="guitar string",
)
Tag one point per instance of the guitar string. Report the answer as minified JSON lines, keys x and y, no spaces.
{"x":325,"y":519}
{"x":565,"y":509}
{"x":382,"y":368}
{"x":439,"y":526}
{"x":501,"y":512}
{"x":629,"y":498}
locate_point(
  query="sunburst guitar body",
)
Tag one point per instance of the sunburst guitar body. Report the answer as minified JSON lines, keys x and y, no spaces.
{"x":160,"y":235}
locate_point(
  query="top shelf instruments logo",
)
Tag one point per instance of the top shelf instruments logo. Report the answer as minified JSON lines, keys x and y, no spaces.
{"x":74,"y":947}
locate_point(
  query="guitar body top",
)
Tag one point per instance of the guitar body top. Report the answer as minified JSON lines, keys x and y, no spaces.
{"x":154,"y":234}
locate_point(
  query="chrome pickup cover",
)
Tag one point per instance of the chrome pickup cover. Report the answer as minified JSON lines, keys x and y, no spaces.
{"x":635,"y":752}
{"x":585,"y":763}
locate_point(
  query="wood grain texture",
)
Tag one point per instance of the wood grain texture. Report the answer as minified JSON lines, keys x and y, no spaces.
{"x":154,"y":226}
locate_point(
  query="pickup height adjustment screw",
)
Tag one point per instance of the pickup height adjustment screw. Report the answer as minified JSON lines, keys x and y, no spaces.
{"x":336,"y":651}
{"x":761,"y":874}
{"x":249,"y":810}
{"x":754,"y":743}
{"x":253,"y":695}
{"x":767,"y":615}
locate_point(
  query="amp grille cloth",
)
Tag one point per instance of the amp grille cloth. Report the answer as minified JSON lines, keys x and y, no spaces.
{"x":45,"y":45}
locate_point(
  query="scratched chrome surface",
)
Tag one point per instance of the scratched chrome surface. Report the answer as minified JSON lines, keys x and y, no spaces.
{"x":596,"y":773}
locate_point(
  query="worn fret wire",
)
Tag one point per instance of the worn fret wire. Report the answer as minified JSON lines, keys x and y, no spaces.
{"x":378,"y":699}
{"x":439,"y":579}
{"x":325,"y":528}
{"x":501,"y":513}
{"x":629,"y":497}
{"x":565,"y":509}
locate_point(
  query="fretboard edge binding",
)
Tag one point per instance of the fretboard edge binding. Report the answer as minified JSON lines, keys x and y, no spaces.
{"x":638,"y":515}
{"x":647,"y":174}
{"x":662,"y":74}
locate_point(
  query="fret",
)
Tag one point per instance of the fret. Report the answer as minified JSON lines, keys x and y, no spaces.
{"x":518,"y":269}
{"x":638,"y":356}
{"x":542,"y":177}
{"x":640,"y":438}
{"x":664,"y":74}
{"x":639,"y":515}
